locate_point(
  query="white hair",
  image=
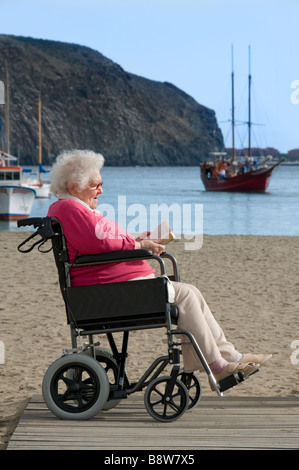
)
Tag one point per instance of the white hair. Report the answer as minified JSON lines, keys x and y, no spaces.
{"x":74,"y":166}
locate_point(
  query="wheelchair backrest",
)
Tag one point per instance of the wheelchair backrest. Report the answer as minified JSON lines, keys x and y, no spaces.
{"x":48,"y":228}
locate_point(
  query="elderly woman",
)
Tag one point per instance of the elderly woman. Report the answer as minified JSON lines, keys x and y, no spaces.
{"x":76,"y":181}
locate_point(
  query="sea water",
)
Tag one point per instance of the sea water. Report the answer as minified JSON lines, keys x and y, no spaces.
{"x":140,"y":197}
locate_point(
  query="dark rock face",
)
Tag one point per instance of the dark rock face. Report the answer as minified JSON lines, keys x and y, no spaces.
{"x":89,"y":102}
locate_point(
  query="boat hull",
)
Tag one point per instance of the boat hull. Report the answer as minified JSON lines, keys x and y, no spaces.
{"x":255,"y":181}
{"x":42,"y":190}
{"x":15,"y":202}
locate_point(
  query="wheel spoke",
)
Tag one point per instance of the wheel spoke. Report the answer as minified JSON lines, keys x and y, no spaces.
{"x":65,"y":379}
{"x":173,"y":405}
{"x":193,"y":386}
{"x":155,"y":389}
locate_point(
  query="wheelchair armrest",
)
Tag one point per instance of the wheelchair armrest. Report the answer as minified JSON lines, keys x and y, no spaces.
{"x":114,"y":256}
{"x":128,"y":255}
{"x":175,"y":276}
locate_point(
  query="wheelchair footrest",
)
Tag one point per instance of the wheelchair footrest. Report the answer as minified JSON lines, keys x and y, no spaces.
{"x":231,"y":381}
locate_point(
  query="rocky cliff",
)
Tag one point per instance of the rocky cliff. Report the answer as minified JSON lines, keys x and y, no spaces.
{"x":90,"y":102}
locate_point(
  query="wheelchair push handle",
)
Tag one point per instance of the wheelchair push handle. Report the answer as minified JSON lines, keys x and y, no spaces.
{"x":44,"y":230}
{"x":35,"y":221}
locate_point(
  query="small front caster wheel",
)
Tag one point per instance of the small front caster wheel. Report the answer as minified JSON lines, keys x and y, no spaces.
{"x":165,"y":401}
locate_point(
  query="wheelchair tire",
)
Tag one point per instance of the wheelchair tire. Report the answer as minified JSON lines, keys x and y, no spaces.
{"x":109,"y":363}
{"x":163,"y":407}
{"x":193,"y":385}
{"x":75,"y":387}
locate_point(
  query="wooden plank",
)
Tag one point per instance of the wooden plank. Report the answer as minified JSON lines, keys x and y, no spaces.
{"x":216,"y":423}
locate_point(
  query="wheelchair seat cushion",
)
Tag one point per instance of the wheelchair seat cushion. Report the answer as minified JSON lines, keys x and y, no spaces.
{"x":119,"y":304}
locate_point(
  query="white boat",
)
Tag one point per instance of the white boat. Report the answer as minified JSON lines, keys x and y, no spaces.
{"x":42,"y":189}
{"x":35,"y":182}
{"x":16,"y":200}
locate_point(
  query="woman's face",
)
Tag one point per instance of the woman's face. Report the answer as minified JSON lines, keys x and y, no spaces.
{"x":90,"y":194}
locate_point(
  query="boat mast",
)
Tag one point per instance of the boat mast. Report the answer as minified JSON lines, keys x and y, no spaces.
{"x":233,"y":108}
{"x":7,"y":112}
{"x":249,"y":104}
{"x":39,"y":132}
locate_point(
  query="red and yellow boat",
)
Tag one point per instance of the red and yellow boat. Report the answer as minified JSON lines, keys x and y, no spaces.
{"x":231,"y":175}
{"x":242,"y":179}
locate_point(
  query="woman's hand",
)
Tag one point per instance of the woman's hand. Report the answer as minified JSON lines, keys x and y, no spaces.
{"x":153,"y":245}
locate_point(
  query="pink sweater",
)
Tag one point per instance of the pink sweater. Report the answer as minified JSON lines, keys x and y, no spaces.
{"x":88,"y":232}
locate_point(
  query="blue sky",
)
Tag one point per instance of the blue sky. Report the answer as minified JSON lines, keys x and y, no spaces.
{"x":188,"y":43}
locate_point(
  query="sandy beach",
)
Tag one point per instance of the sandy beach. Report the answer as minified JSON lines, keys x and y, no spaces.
{"x":251,"y":284}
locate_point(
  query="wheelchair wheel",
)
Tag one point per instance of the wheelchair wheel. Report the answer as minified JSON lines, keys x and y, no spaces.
{"x":192,"y":384}
{"x":75,"y":387}
{"x":163,"y":405}
{"x":108,"y":362}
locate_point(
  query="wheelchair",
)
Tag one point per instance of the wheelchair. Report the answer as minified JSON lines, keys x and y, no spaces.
{"x":88,"y":379}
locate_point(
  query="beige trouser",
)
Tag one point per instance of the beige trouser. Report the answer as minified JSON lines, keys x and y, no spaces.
{"x":196,"y":317}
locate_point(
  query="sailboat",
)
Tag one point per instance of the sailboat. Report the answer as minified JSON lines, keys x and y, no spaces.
{"x":41,"y":188}
{"x":16,"y":199}
{"x":231,"y":175}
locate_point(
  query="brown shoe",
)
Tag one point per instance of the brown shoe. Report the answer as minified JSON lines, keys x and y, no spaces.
{"x":235,"y":367}
{"x":255,"y":358}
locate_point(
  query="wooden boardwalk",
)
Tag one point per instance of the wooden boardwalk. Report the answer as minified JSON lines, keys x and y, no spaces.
{"x":216,"y":423}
